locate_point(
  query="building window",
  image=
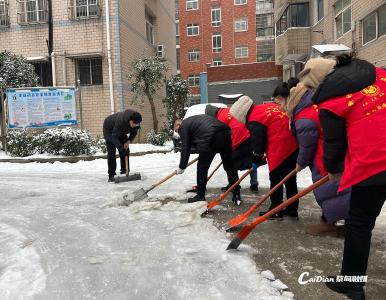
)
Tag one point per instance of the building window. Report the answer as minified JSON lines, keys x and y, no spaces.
{"x":241,"y":25}
{"x":191,"y":4}
{"x":382,"y":21}
{"x":263,"y":6}
{"x":84,"y":9}
{"x":193,"y":29}
{"x":193,"y":55}
{"x":295,"y":15}
{"x":4,"y":18}
{"x":265,"y":50}
{"x":194,"y":80}
{"x":342,"y":10}
{"x":43,"y":71}
{"x":32,"y":11}
{"x":178,"y":59}
{"x":241,"y":51}
{"x":177,"y":7}
{"x":217,"y":62}
{"x":264,"y":25}
{"x":177,"y":33}
{"x":240,"y":2}
{"x":216,"y":16}
{"x":149,"y":27}
{"x":374,"y":25}
{"x":370,"y":28}
{"x":319,"y":10}
{"x":90,"y":71}
{"x":216,"y":42}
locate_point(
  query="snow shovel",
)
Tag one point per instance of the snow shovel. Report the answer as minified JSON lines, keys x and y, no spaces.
{"x":142,"y":193}
{"x":230,"y":189}
{"x":244,"y":216}
{"x":127,"y":177}
{"x":246,"y":230}
{"x":194,"y":188}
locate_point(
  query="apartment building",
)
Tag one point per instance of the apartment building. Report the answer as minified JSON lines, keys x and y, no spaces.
{"x":358,"y":24}
{"x":91,"y":47}
{"x":222,"y":32}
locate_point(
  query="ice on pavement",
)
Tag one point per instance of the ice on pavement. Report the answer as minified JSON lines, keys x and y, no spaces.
{"x":56,"y":242}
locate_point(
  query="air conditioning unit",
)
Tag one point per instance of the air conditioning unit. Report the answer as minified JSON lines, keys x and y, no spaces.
{"x":161,"y":51}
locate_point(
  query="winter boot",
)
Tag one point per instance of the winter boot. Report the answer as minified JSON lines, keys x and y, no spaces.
{"x":111,"y":179}
{"x":325,"y":229}
{"x":278,"y":216}
{"x":352,"y":290}
{"x":291,"y":214}
{"x":236,"y":198}
{"x":196,"y":198}
{"x":225,"y":188}
{"x":254,"y":188}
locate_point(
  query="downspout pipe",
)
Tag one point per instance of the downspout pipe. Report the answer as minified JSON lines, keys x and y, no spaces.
{"x":53,"y":68}
{"x":111,"y":87}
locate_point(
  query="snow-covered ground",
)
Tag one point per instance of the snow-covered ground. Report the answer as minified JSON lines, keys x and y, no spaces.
{"x":58,"y":242}
{"x":59,"y":239}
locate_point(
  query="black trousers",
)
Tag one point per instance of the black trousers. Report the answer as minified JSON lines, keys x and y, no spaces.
{"x":365,"y":206}
{"x":291,"y":187}
{"x":112,"y":160}
{"x":221,"y":144}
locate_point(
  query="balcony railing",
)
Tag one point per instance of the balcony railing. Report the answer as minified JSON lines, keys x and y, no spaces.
{"x":263,"y":7}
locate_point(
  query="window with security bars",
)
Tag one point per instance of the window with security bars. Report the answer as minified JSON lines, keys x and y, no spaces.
{"x":265,"y":50}
{"x":264,"y":25}
{"x":43,"y":71}
{"x":84,"y":9}
{"x":4,"y":17}
{"x":89,"y":71}
{"x":32,"y":11}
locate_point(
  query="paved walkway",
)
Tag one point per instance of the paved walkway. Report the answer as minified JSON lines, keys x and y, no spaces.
{"x":285,"y":249}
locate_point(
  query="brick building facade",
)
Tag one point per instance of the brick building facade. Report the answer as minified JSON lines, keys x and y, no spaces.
{"x":220,"y":32}
{"x":358,"y":24}
{"x":80,"y":46}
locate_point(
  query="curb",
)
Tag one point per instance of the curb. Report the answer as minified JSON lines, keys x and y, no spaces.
{"x":74,"y":159}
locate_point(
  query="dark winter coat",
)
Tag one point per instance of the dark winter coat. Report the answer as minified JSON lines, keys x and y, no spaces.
{"x":335,"y":206}
{"x":345,"y":79}
{"x":116,"y":129}
{"x":197,"y":133}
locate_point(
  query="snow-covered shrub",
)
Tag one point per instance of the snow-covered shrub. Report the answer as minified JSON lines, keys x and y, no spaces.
{"x":100,"y":145}
{"x":20,"y":143}
{"x":66,"y":141}
{"x":157,"y":139}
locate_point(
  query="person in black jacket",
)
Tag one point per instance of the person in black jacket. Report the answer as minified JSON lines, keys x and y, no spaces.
{"x":119,"y":130}
{"x":207,"y":136}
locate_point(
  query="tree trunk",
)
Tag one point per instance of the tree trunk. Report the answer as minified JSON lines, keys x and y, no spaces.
{"x":153,"y":112}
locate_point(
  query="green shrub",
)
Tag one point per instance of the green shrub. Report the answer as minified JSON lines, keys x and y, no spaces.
{"x":19,"y":143}
{"x":157,"y":139}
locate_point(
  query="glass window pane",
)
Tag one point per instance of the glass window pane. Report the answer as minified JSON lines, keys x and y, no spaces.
{"x":339,"y":25}
{"x":96,"y":71}
{"x":370,"y":28}
{"x":338,"y":6}
{"x":382,"y":20}
{"x":346,"y":3}
{"x":84,"y":71}
{"x":347,"y":20}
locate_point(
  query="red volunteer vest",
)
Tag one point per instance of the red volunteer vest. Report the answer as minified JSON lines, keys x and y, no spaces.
{"x":280,"y":141}
{"x":239,"y":132}
{"x":365,"y":115}
{"x":312,"y":113}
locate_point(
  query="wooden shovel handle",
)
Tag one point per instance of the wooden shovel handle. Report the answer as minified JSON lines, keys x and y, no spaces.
{"x":169,"y":176}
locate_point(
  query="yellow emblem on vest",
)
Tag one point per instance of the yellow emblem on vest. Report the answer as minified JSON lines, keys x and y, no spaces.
{"x":371,"y":90}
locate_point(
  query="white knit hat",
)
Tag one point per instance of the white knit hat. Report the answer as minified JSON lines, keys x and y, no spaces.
{"x":240,"y":108}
